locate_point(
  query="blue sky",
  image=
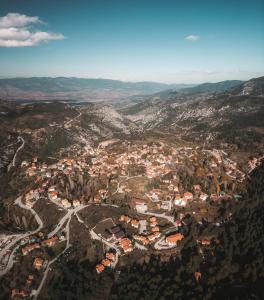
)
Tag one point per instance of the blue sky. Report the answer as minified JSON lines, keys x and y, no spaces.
{"x":167,"y":41}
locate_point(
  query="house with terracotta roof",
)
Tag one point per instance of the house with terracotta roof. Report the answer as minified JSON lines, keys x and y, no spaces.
{"x":30,"y":248}
{"x":99,"y":268}
{"x":174,"y":238}
{"x":126,"y":245}
{"x":51,"y":241}
{"x":106,"y":262}
{"x":179,"y":201}
{"x":19,"y":293}
{"x":30,"y":279}
{"x":38,"y":263}
{"x":135,"y":223}
{"x":110,"y":256}
{"x":53,"y":195}
{"x":141,"y":238}
{"x":197,"y":276}
{"x":140,"y":205}
{"x":152,"y":237}
{"x":205,"y":242}
{"x":188,"y":196}
{"x":125,"y":218}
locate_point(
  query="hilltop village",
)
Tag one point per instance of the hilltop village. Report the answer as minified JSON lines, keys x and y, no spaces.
{"x":144,"y":192}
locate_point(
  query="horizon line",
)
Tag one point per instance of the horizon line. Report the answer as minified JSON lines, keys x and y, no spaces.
{"x":125,"y":81}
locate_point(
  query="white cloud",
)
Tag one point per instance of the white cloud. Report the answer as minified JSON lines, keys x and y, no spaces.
{"x":15,"y":31}
{"x":17,"y":20}
{"x":192,"y":38}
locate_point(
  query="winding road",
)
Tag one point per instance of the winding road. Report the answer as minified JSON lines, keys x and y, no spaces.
{"x":13,"y":163}
{"x":19,"y":238}
{"x":65,"y":218}
{"x":68,"y":245}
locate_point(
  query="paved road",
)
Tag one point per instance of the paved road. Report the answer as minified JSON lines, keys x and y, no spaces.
{"x":19,"y":238}
{"x":95,"y":236}
{"x":139,"y":246}
{"x":13,"y":163}
{"x":120,"y":189}
{"x":68,"y":245}
{"x":169,"y":218}
{"x":67,"y":217}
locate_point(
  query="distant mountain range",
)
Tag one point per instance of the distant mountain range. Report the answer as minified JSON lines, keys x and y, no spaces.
{"x":213,"y":87}
{"x":94,"y":90}
{"x":62,"y":88}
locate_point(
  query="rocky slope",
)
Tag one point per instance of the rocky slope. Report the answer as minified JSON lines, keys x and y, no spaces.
{"x":243,"y":103}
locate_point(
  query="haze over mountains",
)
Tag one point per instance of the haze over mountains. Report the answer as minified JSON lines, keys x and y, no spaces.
{"x":61,"y":88}
{"x":82,"y":89}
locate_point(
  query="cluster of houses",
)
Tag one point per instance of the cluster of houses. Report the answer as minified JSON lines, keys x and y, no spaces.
{"x":101,"y":195}
{"x":36,"y":243}
{"x":154,"y":234}
{"x":107,"y":262}
{"x":158,"y":164}
{"x":155,"y":162}
{"x":29,"y":244}
{"x":117,"y":235}
{"x":42,"y":170}
{"x":144,"y":237}
{"x":53,"y":195}
{"x":147,"y":234}
{"x":132,"y":221}
{"x":114,"y":234}
{"x":157,"y":159}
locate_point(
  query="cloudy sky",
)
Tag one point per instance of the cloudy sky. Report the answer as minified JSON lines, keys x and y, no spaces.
{"x":168,"y":41}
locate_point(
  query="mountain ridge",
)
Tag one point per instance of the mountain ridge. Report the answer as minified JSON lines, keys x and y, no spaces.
{"x":62,"y":88}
